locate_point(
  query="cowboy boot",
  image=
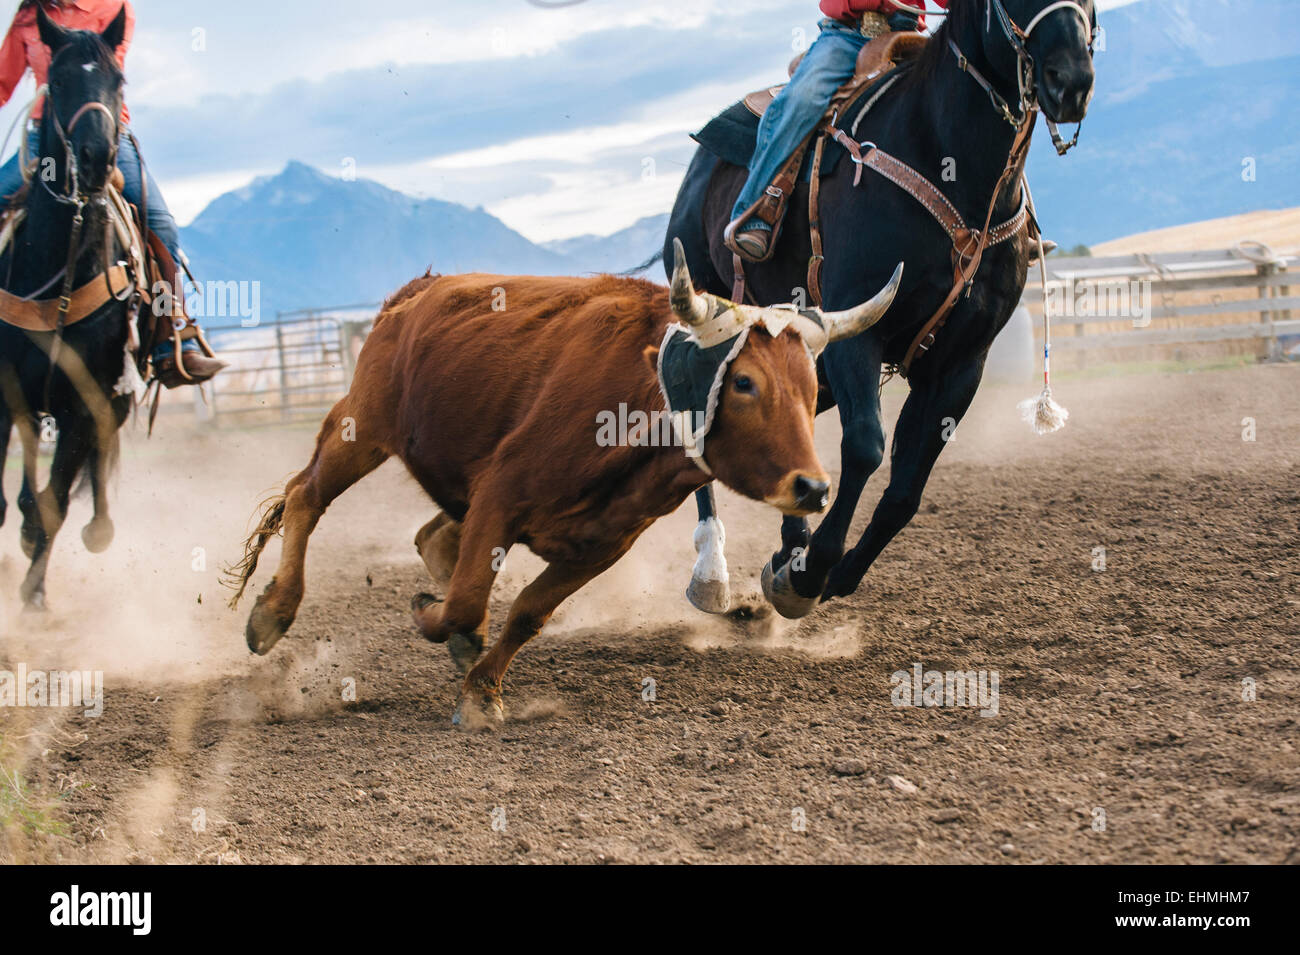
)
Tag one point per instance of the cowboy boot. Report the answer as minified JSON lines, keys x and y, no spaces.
{"x":751,"y":244}
{"x":194,"y":369}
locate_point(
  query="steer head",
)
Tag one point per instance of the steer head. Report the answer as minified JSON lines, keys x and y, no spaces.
{"x":761,"y":409}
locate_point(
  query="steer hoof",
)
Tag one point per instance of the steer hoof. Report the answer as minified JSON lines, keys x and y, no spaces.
{"x":97,"y":535}
{"x":780,"y":593}
{"x":477,"y":711}
{"x":464,"y":650}
{"x":264,"y":629}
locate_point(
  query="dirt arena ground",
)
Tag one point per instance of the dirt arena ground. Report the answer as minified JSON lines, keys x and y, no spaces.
{"x":1122,"y":734}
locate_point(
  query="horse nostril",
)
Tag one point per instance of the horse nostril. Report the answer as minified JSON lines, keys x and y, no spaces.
{"x":810,"y":494}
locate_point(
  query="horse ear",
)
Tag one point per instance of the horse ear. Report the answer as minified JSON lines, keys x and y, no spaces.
{"x":52,"y":35}
{"x":115,"y":32}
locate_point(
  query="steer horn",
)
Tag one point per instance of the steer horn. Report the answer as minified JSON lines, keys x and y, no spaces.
{"x":688,"y":305}
{"x":855,"y":321}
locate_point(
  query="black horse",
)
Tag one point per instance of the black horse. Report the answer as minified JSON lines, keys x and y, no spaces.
{"x":70,"y":374}
{"x":939,"y":118}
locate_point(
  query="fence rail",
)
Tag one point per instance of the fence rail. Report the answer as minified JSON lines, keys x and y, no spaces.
{"x":1169,"y":305}
{"x":1217,"y":301}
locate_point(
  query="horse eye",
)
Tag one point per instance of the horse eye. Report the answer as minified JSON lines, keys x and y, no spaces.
{"x":744,"y":384}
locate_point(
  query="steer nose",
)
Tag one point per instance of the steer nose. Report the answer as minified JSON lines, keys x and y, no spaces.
{"x":810,"y":493}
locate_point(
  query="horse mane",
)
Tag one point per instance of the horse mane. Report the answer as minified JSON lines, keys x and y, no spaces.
{"x":961,"y":14}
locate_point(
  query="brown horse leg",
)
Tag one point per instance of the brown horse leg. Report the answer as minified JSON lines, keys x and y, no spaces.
{"x":336,"y":465}
{"x":480,"y":698}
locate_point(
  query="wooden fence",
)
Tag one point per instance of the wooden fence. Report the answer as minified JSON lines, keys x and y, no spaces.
{"x":1168,"y":306}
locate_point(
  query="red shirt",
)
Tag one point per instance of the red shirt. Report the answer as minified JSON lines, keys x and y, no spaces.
{"x":852,"y":9}
{"x":23,"y":49}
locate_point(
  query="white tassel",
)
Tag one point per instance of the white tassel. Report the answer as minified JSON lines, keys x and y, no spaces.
{"x":1043,"y":414}
{"x":130,"y":383}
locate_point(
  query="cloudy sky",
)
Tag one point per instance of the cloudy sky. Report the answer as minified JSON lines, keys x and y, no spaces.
{"x":561,"y":118}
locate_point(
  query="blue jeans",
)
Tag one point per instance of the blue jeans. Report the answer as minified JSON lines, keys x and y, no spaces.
{"x":161,"y":221}
{"x":826,"y":66}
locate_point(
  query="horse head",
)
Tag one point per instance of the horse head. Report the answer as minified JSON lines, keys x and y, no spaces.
{"x":84,"y":99}
{"x":1052,"y":40}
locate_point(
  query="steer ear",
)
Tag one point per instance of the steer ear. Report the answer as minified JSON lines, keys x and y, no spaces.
{"x":115,"y":32}
{"x":651,"y":356}
{"x":52,"y":35}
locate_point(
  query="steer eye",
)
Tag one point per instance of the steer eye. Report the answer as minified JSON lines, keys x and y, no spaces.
{"x":744,"y":385}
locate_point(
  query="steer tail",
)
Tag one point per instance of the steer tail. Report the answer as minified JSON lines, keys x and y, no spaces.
{"x":236,"y":576}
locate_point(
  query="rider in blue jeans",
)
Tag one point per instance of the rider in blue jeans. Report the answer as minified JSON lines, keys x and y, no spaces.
{"x":827,"y":65}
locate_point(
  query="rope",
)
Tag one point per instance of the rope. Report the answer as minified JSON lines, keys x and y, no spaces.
{"x":1043,"y":414}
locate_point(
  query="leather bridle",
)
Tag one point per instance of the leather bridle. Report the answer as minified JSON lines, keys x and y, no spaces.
{"x":76,"y":197}
{"x":1026,"y":87}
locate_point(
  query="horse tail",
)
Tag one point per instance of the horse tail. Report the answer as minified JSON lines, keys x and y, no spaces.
{"x":657,"y":257}
{"x":270,"y":525}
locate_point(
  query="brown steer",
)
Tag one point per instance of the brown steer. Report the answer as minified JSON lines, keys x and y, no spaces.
{"x":489,"y":389}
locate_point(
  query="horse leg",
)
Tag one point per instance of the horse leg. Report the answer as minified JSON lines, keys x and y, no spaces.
{"x":793,"y":579}
{"x":6,"y":430}
{"x":930,"y":413}
{"x":50,"y":506}
{"x":98,"y":532}
{"x":461,"y":620}
{"x":710,"y":586}
{"x":480,"y":698}
{"x":30,"y":533}
{"x":337,"y":463}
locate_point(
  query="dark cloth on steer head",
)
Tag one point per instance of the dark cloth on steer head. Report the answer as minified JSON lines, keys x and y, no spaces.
{"x":691,"y":372}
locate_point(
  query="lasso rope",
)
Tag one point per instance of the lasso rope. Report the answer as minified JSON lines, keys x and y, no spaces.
{"x":1043,"y":414}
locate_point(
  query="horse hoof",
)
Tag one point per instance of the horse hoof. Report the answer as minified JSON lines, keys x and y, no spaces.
{"x":780,"y":593}
{"x":710,"y":587}
{"x":97,"y":535}
{"x":264,"y":629}
{"x":711,"y":596}
{"x":464,"y":649}
{"x":477,"y":712}
{"x":35,"y":604}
